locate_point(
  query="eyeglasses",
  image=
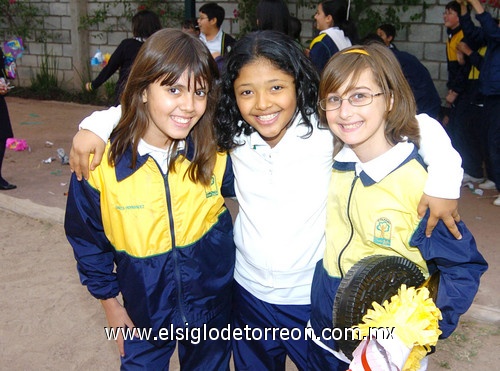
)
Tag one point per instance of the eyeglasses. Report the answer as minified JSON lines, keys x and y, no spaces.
{"x":202,"y":18}
{"x":357,"y":100}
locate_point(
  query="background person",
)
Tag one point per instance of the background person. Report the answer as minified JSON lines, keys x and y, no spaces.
{"x":211,"y":16}
{"x":387,"y":32}
{"x":336,"y":32}
{"x":144,"y":24}
{"x":5,"y":125}
{"x":489,"y":85}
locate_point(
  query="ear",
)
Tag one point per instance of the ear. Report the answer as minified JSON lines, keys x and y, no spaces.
{"x":391,"y":104}
{"x":329,"y":19}
{"x":145,"y":96}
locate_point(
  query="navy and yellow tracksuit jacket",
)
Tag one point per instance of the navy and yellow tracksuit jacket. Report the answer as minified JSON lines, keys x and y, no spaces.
{"x":366,"y":218}
{"x":171,"y":240}
{"x":322,"y":48}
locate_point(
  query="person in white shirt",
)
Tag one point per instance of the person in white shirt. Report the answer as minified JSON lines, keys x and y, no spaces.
{"x":210,"y":21}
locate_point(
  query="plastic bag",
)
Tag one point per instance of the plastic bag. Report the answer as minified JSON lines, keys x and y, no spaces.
{"x":12,"y":49}
{"x":97,"y":59}
{"x":16,"y":144}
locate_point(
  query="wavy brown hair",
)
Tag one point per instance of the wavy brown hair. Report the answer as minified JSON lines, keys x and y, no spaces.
{"x":164,"y":57}
{"x":387,"y":73}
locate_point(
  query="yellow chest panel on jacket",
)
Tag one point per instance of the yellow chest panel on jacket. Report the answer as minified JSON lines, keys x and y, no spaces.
{"x":378,"y":219}
{"x":451,"y":46}
{"x":146,"y":213}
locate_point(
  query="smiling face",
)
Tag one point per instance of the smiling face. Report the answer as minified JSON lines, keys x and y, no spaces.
{"x":362,"y":128}
{"x":451,"y":19}
{"x":266,"y":99}
{"x":173,"y":110}
{"x":323,"y":21}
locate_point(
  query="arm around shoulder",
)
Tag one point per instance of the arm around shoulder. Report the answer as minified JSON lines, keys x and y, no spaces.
{"x":443,"y":161}
{"x":94,"y":133}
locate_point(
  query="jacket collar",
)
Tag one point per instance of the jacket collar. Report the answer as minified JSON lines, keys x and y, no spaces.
{"x":124,"y":169}
{"x":374,"y":171}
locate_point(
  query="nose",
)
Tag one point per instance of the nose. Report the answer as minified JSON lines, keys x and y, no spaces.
{"x":345,"y":109}
{"x":262,"y":101}
{"x":187,"y":102}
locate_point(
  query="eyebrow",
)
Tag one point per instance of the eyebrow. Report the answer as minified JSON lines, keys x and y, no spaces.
{"x":273,"y":81}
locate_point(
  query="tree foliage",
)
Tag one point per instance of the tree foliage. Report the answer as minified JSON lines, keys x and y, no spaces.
{"x":22,"y":18}
{"x":170,"y":15}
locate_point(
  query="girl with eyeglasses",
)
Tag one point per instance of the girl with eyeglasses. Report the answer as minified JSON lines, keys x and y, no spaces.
{"x":378,"y":175}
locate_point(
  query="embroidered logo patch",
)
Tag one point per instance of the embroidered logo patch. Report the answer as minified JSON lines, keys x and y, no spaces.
{"x":212,"y":190}
{"x":382,"y":232}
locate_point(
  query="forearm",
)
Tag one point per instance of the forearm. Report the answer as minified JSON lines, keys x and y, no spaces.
{"x":478,"y":7}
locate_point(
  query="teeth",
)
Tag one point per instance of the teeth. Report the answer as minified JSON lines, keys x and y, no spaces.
{"x":180,"y":120}
{"x":351,"y":126}
{"x":268,"y":117}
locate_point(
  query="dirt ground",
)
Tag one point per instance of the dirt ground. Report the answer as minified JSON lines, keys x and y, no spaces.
{"x":48,"y":321}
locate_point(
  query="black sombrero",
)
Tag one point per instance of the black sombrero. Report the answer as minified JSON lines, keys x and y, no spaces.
{"x":374,"y":278}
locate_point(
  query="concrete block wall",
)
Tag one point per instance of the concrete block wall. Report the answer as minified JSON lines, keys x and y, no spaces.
{"x":73,"y":47}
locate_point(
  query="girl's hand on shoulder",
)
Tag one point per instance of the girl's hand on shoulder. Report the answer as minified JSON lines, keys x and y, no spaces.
{"x":84,"y":143}
{"x":440,"y":208}
{"x":117,"y":317}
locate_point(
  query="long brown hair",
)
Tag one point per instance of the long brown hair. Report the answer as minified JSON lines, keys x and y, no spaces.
{"x":387,"y":73}
{"x":164,"y":57}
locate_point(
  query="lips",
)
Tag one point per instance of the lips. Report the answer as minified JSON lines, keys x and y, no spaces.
{"x":267,"y":119}
{"x":182,"y":121}
{"x":351,"y":126}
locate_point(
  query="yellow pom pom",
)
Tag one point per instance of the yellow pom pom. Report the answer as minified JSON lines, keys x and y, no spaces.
{"x":414,"y":317}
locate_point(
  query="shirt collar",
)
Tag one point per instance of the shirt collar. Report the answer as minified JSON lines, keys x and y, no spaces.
{"x":377,"y":169}
{"x":160,"y":155}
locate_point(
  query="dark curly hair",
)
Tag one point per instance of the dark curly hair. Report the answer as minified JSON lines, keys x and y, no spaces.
{"x":283,"y":53}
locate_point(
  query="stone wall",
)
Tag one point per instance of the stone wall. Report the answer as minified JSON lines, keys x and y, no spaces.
{"x":73,"y":47}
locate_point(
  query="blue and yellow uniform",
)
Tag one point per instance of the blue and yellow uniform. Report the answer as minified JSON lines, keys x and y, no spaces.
{"x":171,"y":240}
{"x":372,"y":213}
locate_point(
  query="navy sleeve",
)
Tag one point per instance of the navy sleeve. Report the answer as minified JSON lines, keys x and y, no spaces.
{"x":489,"y":26}
{"x":320,"y":55}
{"x":460,"y":266}
{"x":471,"y":31}
{"x":92,"y":250}
{"x":228,"y":181}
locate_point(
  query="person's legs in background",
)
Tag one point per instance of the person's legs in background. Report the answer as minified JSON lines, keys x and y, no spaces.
{"x":492,"y":115}
{"x":5,"y":133}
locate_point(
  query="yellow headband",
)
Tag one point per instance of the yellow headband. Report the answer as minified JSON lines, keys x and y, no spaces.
{"x":358,"y":51}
